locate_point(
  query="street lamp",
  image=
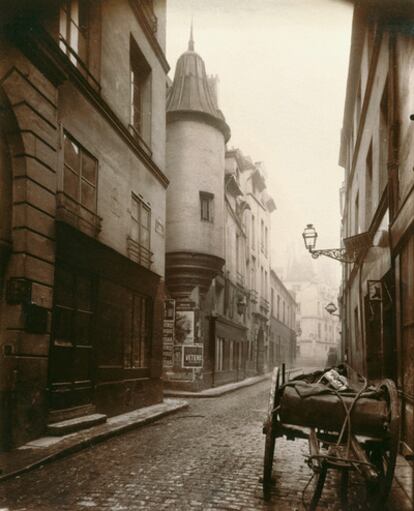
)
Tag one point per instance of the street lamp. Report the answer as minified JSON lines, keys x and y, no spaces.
{"x":309,"y":237}
{"x":332,"y":308}
{"x":340,"y":254}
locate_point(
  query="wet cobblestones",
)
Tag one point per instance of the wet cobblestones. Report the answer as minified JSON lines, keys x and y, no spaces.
{"x":208,"y":457}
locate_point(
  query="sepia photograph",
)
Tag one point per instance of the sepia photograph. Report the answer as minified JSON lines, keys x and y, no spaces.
{"x":206,"y":255}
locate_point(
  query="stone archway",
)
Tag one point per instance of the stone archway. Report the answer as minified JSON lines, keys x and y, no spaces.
{"x":28,"y":166}
{"x":7,"y":122}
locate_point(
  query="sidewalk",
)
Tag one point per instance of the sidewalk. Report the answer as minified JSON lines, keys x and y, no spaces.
{"x":218,"y":391}
{"x":403,"y":490}
{"x":49,"y":448}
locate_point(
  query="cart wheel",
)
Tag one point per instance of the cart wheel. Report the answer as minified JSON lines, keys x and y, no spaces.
{"x":270,"y":430}
{"x":384,"y":455}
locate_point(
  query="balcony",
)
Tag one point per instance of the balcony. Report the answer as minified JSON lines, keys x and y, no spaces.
{"x":240,"y":279}
{"x":139,"y":253}
{"x":253,"y":295}
{"x":75,"y":214}
{"x":264,"y":305}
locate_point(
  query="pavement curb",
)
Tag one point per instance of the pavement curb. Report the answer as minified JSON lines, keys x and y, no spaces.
{"x":218,"y":391}
{"x":94,"y":439}
{"x":225,"y":389}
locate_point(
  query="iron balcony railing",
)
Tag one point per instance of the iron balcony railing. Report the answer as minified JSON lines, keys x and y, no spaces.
{"x":72,"y":212}
{"x":138,"y":253}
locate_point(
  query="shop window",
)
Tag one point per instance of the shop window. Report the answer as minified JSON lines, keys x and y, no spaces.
{"x":207,"y":206}
{"x":140,"y":85}
{"x":140,"y":237}
{"x":73,"y":308}
{"x":74,"y":30}
{"x":137,"y":348}
{"x":219,"y":366}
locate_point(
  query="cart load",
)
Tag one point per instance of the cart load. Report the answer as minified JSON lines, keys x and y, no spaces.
{"x":350,"y":425}
{"x":313,"y":401}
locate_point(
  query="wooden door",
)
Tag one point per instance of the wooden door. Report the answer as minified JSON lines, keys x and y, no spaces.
{"x":71,"y":351}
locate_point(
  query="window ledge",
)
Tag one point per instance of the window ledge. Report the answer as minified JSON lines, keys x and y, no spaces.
{"x":140,"y":140}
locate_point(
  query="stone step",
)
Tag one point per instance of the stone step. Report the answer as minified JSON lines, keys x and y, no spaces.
{"x":72,"y":425}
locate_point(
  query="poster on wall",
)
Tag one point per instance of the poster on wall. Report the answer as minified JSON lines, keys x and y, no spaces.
{"x":184,"y":327}
{"x":168,"y":333}
{"x":193,"y":356}
{"x":169,"y":310}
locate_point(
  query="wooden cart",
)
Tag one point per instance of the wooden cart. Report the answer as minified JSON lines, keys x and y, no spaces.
{"x":372,"y":455}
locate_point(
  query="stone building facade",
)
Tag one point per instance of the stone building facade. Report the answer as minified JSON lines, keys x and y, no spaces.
{"x":319,"y":330}
{"x":378,"y":216}
{"x":282,"y":329}
{"x":82,"y":221}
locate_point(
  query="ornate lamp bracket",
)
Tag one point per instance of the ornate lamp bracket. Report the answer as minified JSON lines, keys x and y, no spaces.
{"x":339,"y":254}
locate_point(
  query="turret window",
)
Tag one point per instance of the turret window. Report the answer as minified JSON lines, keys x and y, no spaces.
{"x":207,"y":206}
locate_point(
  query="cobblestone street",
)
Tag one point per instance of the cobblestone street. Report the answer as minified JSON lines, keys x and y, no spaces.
{"x":209,"y":456}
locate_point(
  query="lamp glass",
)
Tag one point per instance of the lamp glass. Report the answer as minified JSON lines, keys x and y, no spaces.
{"x":309,"y":237}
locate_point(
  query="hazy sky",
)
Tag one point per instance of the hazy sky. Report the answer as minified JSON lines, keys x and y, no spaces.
{"x":282,"y":67}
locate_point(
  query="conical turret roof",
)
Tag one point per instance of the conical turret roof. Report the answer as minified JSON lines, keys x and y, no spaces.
{"x":191,"y":93}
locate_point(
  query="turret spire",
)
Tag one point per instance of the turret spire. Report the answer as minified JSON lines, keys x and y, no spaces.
{"x":191,"y":41}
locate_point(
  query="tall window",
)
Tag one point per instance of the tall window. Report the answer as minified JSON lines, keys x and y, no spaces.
{"x":80,"y":174}
{"x":140,"y":119}
{"x":140,"y":232}
{"x":219,"y":354}
{"x":278,"y":307}
{"x":262,"y":285}
{"x":253,"y":232}
{"x":272,"y":302}
{"x":356,"y":215}
{"x":384,"y":121}
{"x":266,"y":241}
{"x":207,"y":206}
{"x":368,"y":188}
{"x":73,"y":28}
{"x":262,"y":241}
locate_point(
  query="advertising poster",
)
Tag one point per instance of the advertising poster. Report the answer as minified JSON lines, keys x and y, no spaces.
{"x":193,"y":356}
{"x":184,"y":327}
{"x":168,"y":334}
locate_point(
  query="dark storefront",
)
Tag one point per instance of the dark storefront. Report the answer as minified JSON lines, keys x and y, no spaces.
{"x":104,"y":351}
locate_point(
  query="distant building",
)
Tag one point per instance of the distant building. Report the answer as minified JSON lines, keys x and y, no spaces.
{"x":377,"y":154}
{"x":282,"y":348}
{"x":82,"y":220}
{"x":317,"y":330}
{"x":253,"y":207}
